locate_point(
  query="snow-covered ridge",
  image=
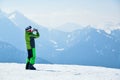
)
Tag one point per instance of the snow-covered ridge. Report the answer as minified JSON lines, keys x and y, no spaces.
{"x":14,"y":71}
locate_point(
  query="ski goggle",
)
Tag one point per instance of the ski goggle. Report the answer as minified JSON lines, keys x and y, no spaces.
{"x":29,"y":30}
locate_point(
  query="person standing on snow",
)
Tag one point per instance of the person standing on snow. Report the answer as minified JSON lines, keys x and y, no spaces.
{"x":30,"y":44}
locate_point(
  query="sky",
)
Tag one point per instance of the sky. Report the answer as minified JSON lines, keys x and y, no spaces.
{"x":53,"y":13}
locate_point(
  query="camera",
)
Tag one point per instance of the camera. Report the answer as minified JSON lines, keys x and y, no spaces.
{"x":34,"y":29}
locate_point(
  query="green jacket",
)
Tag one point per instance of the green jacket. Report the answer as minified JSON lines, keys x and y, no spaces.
{"x":29,"y":37}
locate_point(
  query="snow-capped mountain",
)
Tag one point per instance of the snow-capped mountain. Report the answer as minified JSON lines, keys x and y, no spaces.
{"x":20,"y":20}
{"x":10,"y":33}
{"x":69,"y":27}
{"x":88,"y":46}
{"x":92,"y":47}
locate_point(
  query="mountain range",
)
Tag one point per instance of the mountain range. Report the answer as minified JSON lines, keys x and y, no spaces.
{"x":86,"y":45}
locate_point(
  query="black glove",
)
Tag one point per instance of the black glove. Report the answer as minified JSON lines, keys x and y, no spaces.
{"x":35,"y":30}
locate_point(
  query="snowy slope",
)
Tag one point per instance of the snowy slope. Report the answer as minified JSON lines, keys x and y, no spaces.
{"x":16,"y":71}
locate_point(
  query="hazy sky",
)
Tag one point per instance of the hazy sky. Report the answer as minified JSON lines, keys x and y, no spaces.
{"x":53,"y":13}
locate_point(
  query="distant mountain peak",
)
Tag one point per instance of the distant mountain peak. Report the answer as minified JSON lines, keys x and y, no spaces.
{"x":12,"y":16}
{"x":18,"y":18}
{"x":69,"y":27}
{"x":71,"y":24}
{"x":16,"y":13}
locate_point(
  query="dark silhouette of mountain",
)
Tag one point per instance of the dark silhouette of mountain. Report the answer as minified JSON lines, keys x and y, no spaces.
{"x":8,"y":53}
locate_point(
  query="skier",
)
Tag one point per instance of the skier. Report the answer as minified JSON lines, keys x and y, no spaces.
{"x":30,"y":44}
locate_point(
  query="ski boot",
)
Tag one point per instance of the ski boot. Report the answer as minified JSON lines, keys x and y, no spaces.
{"x":27,"y":65}
{"x":31,"y":67}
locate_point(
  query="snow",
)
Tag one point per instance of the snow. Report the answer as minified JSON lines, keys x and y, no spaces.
{"x":60,"y":49}
{"x":108,"y":31}
{"x":14,"y":71}
{"x":54,"y":42}
{"x":69,"y":36}
{"x":98,"y":31}
{"x":109,"y":36}
{"x":12,"y":16}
